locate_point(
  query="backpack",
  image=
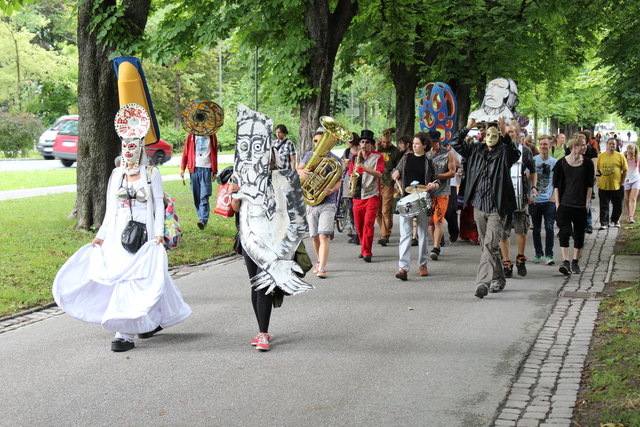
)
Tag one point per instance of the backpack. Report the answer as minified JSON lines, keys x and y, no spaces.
{"x":172,"y":230}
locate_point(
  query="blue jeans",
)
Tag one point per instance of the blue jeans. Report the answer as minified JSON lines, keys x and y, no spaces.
{"x":201,"y":189}
{"x":546,"y":210}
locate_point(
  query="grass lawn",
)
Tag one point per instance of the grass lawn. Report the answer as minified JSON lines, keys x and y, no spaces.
{"x":610,"y":393}
{"x":38,"y":238}
{"x":18,"y":180}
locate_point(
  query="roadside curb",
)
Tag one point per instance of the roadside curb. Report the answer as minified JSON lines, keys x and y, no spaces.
{"x":545,"y":389}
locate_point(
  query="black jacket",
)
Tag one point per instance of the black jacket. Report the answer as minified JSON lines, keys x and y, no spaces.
{"x":499,"y":162}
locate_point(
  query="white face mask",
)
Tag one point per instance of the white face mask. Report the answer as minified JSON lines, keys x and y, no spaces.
{"x":491,"y":137}
{"x":131,"y":150}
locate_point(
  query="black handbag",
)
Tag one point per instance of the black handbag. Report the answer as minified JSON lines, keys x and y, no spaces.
{"x":134,"y":234}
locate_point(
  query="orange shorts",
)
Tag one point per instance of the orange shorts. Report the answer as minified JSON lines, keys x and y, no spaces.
{"x":440,"y":205}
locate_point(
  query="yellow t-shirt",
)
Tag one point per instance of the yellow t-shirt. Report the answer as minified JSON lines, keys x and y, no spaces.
{"x":611,"y":167}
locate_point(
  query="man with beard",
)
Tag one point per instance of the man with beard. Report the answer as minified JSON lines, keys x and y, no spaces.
{"x":391,"y":155}
{"x":489,"y":190}
{"x":367,"y":167}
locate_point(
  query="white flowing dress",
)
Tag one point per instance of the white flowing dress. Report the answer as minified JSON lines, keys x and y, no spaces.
{"x":127,"y":293}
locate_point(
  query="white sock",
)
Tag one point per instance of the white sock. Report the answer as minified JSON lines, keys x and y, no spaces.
{"x":126,"y":337}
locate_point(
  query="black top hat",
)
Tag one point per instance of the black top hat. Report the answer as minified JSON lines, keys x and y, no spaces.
{"x":367,"y":134}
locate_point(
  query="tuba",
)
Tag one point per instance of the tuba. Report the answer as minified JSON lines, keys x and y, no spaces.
{"x":324,"y":171}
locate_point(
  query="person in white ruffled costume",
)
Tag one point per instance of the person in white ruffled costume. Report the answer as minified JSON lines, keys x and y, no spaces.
{"x":103,"y":283}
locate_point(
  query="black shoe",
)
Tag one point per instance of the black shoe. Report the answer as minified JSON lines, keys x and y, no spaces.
{"x":521,"y":265}
{"x":482,"y":291}
{"x":146,"y":335}
{"x":119,"y":345}
{"x":414,"y":242}
{"x":354,"y":239}
{"x":507,"y":267}
{"x":496,"y":287}
{"x":453,"y":238}
{"x":442,"y":242}
{"x":360,"y":256}
{"x":565,"y":268}
{"x":382,"y":241}
{"x":367,"y":258}
{"x":589,"y":229}
{"x":201,"y":225}
{"x":435,"y":253}
{"x":575,"y":268}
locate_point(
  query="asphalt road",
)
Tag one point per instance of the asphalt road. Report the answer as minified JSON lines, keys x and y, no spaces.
{"x":361,"y":349}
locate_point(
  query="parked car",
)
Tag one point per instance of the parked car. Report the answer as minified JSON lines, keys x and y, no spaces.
{"x":65,"y":146}
{"x":48,"y":137}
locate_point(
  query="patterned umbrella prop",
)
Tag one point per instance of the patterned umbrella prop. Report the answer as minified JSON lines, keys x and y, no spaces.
{"x":132,"y":121}
{"x":438,"y":110}
{"x":202,"y":117}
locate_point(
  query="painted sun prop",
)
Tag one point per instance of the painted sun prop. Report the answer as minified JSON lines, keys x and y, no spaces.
{"x":202,"y":117}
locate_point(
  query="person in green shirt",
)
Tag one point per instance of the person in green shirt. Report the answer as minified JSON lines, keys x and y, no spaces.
{"x":391,"y":155}
{"x":558,"y":148}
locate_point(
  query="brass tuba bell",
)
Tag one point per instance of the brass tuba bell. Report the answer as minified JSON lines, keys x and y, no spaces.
{"x":324,"y":171}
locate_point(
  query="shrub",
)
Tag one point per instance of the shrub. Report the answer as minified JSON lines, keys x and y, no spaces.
{"x":18,"y":133}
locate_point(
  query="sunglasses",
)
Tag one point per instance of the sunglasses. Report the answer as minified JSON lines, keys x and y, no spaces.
{"x":316,"y":140}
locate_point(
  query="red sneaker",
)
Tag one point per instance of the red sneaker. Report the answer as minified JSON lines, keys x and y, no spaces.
{"x":254,"y":341}
{"x":263,"y":341}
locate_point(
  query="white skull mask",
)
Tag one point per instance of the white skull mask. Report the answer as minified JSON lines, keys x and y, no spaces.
{"x":131,"y":150}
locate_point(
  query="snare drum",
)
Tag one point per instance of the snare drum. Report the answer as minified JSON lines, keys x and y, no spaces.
{"x":414,"y":204}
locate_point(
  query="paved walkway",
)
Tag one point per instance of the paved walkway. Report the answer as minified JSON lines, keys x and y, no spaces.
{"x":365,"y":349}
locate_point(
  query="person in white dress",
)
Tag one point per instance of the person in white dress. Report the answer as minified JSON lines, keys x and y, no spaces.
{"x":127,"y":293}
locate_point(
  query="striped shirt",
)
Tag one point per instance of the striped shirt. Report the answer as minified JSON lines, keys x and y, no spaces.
{"x":483,"y":195}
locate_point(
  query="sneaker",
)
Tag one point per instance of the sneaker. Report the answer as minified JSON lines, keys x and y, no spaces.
{"x":616,"y":224}
{"x":549,"y":260}
{"x":321,"y":273}
{"x":589,"y":229}
{"x":435,"y":253}
{"x":496,"y":287}
{"x":315,"y":267}
{"x":442,"y":242}
{"x":201,"y":225}
{"x":383,"y":241}
{"x":414,"y":242}
{"x":120,"y":344}
{"x":254,"y":341}
{"x":565,"y":268}
{"x":630,"y":220}
{"x":575,"y":268}
{"x":263,"y":341}
{"x":537,"y":259}
{"x":422,"y":270}
{"x":521,"y":265}
{"x":507,"y":266}
{"x":401,"y":274}
{"x":603,"y":227}
{"x":482,"y":291}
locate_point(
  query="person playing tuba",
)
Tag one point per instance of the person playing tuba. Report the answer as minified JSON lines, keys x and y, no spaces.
{"x":320,"y":217}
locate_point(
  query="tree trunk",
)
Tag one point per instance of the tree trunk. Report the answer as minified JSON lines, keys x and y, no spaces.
{"x":405,"y":80}
{"x":177,"y":118}
{"x":326,"y":30}
{"x":553,"y":126}
{"x":463,"y":96}
{"x":98,"y":144}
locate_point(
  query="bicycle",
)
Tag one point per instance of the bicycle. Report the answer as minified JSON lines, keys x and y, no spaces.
{"x":343,"y":213}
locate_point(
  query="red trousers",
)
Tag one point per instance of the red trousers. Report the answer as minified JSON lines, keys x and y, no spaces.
{"x":364,"y":215}
{"x":468,"y":230}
